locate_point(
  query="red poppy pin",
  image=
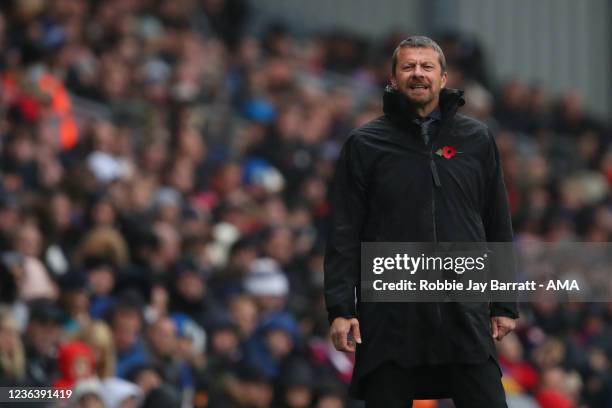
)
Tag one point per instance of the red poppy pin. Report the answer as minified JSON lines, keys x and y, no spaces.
{"x":448,"y":152}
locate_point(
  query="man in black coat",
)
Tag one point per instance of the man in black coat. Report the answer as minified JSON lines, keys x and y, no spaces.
{"x":420,"y":173}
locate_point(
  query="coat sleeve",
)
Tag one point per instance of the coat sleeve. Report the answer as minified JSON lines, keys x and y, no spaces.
{"x":497,"y":221}
{"x":343,"y":251}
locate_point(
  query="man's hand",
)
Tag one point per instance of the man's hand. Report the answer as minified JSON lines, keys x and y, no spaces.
{"x":501,"y":325}
{"x":340,"y":328}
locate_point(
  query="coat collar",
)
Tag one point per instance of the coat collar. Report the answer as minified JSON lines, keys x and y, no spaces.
{"x":401,"y":111}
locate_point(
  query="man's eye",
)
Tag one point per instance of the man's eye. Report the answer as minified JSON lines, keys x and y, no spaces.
{"x":428,"y":67}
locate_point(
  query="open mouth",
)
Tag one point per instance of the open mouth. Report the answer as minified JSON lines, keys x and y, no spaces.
{"x":418,"y":86}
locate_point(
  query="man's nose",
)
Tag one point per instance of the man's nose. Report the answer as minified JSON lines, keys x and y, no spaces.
{"x":418,"y":70}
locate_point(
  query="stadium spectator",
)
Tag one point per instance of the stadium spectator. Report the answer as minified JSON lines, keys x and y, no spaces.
{"x":126,"y":324}
{"x":41,"y":341}
{"x":12,"y":356}
{"x":97,"y":334}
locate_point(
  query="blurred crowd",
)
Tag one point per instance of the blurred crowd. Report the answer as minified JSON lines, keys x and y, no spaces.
{"x":164,"y":204}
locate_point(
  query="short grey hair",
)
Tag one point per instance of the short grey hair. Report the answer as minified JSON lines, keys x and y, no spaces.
{"x":418,"y":41}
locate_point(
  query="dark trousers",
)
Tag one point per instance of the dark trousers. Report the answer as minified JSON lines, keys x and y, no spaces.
{"x":469,"y":385}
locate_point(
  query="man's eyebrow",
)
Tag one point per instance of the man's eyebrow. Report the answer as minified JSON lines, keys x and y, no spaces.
{"x":417,"y":62}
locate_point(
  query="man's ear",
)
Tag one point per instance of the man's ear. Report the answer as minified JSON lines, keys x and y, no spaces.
{"x":444,"y":78}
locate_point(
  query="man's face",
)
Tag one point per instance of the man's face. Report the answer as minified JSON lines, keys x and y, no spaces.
{"x":162,"y":336}
{"x":126,"y":328}
{"x":225,"y":342}
{"x":44,"y":336}
{"x":418,"y":75}
{"x":191,"y":286}
{"x":279,"y":343}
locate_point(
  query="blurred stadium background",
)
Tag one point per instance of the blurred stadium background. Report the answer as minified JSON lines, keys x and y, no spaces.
{"x":164,"y":178}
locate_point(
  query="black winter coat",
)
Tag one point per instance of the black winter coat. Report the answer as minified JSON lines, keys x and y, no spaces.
{"x":392,"y":187}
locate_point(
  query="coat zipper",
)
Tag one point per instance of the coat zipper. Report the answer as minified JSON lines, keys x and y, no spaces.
{"x":436,"y":179}
{"x":437,"y":184}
